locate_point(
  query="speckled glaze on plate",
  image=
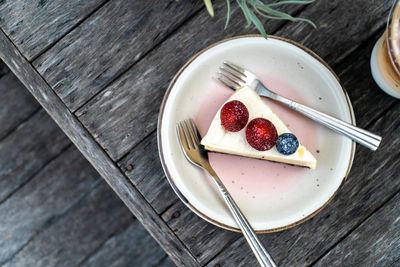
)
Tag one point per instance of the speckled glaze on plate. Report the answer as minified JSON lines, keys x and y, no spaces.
{"x":272,"y":196}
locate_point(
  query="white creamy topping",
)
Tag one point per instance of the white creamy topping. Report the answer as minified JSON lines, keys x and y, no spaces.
{"x":220,"y":140}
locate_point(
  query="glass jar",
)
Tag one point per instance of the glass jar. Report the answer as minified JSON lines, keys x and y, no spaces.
{"x":385,"y":57}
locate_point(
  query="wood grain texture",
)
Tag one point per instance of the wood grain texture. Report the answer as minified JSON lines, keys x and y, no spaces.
{"x":51,"y":194}
{"x":34,"y":25}
{"x":363,"y":88}
{"x":372,"y":181}
{"x":69,"y":239}
{"x":342,"y":26}
{"x":303,"y":244}
{"x":115,"y":133}
{"x":42,"y":201}
{"x":27,"y":150}
{"x":368,"y":103}
{"x":202,"y":238}
{"x":118,"y":118}
{"x":115,"y":37}
{"x":130,"y":247}
{"x":16,"y":104}
{"x":143,"y":168}
{"x":376,"y":242}
{"x":94,"y":153}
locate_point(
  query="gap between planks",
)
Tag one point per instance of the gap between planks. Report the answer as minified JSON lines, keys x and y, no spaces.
{"x":111,"y":235}
{"x":133,"y":148}
{"x":46,"y":225}
{"x":381,"y":114}
{"x":12,"y":130}
{"x":67,"y":32}
{"x":31,"y":177}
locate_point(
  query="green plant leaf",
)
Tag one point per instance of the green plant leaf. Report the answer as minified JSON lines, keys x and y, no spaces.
{"x":252,"y":8}
{"x":228,"y":15}
{"x":267,"y":11}
{"x":246,"y":11}
{"x":298,"y":2}
{"x":209,"y":7}
{"x":258,"y":24}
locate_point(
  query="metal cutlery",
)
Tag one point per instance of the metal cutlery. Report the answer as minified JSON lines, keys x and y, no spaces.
{"x":189,"y":140}
{"x":235,"y":77}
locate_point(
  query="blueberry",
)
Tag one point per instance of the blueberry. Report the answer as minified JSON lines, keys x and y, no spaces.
{"x":287,"y":144}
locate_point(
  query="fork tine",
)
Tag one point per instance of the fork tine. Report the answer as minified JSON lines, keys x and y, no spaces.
{"x":181,"y":135}
{"x":188,"y":135}
{"x":231,"y":79}
{"x":194,"y":131}
{"x":181,"y":139}
{"x":238,"y":75}
{"x":228,"y":83}
{"x":232,"y":75}
{"x":235,"y":67}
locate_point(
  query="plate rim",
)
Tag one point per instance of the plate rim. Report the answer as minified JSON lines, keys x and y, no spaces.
{"x":160,"y":149}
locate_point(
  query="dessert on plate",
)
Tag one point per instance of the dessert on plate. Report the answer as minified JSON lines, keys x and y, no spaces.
{"x":246,"y":126}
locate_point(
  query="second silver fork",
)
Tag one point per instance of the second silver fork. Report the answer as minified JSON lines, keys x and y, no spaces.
{"x":189,"y":140}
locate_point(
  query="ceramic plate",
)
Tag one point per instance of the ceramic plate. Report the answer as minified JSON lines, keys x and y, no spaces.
{"x":272,"y":196}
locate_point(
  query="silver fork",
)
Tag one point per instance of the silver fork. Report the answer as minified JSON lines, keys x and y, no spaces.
{"x":189,"y":140}
{"x":235,"y":77}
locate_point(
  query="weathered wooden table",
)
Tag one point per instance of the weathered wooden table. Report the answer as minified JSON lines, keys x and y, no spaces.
{"x":100,"y":69}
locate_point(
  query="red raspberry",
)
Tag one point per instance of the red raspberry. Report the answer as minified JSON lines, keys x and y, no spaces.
{"x":261,"y":134}
{"x":234,"y":116}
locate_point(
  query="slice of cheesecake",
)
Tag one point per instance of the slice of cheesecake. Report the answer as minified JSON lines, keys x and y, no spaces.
{"x":219,"y":139}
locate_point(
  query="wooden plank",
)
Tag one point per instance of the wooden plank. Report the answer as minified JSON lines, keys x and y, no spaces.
{"x":42,"y":201}
{"x":372,"y":181}
{"x":69,"y":239}
{"x":149,"y":180}
{"x":118,"y":118}
{"x":16,"y":104}
{"x":101,"y":48}
{"x":94,"y":153}
{"x":51,"y":194}
{"x":27,"y":150}
{"x":35,"y":25}
{"x":131,"y":247}
{"x":202,"y":238}
{"x":375,"y":242}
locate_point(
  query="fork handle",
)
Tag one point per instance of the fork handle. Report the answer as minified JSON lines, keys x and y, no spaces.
{"x":355,"y":133}
{"x":256,"y":246}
